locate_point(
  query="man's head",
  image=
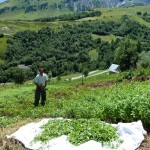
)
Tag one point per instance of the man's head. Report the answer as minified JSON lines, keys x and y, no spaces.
{"x":41,"y":70}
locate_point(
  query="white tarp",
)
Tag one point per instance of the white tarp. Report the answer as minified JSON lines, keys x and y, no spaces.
{"x":132,"y":135}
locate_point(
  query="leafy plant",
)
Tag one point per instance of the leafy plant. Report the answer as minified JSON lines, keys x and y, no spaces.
{"x":78,"y":131}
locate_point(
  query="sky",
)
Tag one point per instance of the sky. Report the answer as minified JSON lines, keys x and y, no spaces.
{"x":1,"y":1}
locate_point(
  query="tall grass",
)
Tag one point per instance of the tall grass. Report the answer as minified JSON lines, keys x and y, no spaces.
{"x":3,"y":44}
{"x":107,"y":38}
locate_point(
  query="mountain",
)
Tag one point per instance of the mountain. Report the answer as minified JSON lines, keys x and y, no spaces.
{"x":147,"y":2}
{"x":33,"y":9}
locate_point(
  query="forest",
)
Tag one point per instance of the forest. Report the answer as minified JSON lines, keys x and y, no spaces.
{"x":69,"y":49}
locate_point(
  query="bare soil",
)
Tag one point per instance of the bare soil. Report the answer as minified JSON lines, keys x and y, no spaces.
{"x":145,"y":144}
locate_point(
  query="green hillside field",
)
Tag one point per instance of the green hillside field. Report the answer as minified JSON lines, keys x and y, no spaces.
{"x":114,"y":14}
{"x":100,"y":97}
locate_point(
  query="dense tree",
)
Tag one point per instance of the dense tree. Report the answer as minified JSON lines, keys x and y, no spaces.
{"x":70,"y":17}
{"x":1,"y":35}
{"x":85,"y":72}
{"x":68,"y":48}
{"x":126,"y":55}
{"x":144,"y":59}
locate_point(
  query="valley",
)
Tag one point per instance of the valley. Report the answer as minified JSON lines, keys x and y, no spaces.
{"x":70,"y":44}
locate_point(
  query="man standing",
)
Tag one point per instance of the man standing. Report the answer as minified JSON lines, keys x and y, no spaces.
{"x":41,"y":81}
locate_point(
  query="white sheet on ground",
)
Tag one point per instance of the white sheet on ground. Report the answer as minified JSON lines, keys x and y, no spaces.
{"x":132,"y":135}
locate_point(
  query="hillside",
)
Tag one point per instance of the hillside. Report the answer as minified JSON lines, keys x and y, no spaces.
{"x":73,"y":43}
{"x":33,"y":9}
{"x":112,"y":14}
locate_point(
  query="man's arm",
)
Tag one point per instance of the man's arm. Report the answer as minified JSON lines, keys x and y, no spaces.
{"x":36,"y":83}
{"x":46,"y":80}
{"x":46,"y":83}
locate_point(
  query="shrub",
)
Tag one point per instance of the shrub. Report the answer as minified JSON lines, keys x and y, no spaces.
{"x":144,"y":60}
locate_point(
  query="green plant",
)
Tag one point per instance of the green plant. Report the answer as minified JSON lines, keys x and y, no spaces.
{"x":78,"y":131}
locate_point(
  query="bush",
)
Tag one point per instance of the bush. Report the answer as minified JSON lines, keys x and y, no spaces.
{"x":1,"y":35}
{"x":144,"y":60}
{"x":18,"y":75}
{"x":85,"y":72}
{"x":128,"y":75}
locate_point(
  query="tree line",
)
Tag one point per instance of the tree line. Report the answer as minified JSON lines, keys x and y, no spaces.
{"x":70,"y":17}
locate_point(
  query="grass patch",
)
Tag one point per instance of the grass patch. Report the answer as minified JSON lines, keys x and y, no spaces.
{"x":93,"y":54}
{"x":2,"y":61}
{"x":107,"y":38}
{"x":3,"y":44}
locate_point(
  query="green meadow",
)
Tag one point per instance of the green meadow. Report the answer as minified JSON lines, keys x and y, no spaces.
{"x":107,"y":38}
{"x":102,"y":98}
{"x":99,"y":97}
{"x":115,"y":14}
{"x":3,"y":45}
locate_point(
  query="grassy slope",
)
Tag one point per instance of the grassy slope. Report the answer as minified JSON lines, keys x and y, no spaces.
{"x":107,"y":15}
{"x":3,"y":46}
{"x":107,"y":38}
{"x":33,"y":15}
{"x":64,"y":97}
{"x":114,"y":14}
{"x":60,"y":97}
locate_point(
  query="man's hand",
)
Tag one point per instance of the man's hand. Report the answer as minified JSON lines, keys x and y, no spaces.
{"x":44,"y":87}
{"x":39,"y":87}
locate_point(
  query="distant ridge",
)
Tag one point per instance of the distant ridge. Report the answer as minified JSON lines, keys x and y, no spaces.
{"x":33,"y":9}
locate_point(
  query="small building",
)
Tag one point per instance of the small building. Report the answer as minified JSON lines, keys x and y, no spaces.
{"x":23,"y":66}
{"x":114,"y":68}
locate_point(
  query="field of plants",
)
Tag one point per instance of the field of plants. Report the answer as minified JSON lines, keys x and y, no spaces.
{"x":101,"y":97}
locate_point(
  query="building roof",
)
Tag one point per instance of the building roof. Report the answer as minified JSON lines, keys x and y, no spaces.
{"x":113,"y":68}
{"x":23,"y":66}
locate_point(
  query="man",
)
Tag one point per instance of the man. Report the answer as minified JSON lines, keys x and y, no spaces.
{"x":41,"y":81}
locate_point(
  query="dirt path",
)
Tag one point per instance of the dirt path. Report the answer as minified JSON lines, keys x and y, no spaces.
{"x":93,"y":73}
